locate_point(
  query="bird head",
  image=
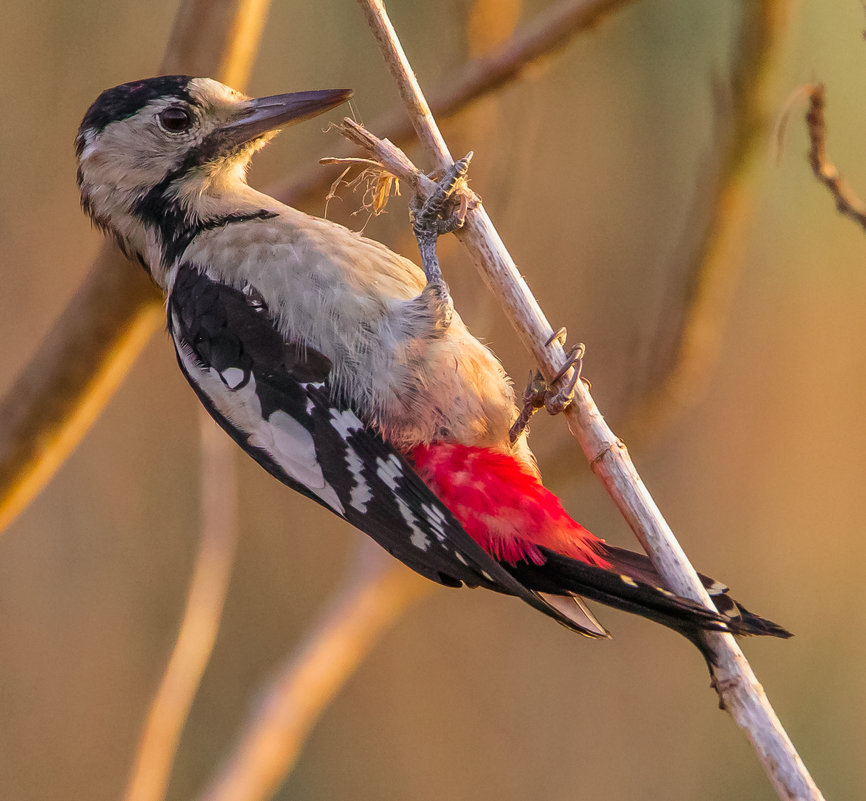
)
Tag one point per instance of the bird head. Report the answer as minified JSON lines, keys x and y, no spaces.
{"x":149,"y":151}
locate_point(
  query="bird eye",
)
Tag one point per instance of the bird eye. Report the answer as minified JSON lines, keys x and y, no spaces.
{"x":175,"y":119}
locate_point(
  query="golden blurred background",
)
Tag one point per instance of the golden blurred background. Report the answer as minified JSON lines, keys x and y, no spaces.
{"x":597,"y":167}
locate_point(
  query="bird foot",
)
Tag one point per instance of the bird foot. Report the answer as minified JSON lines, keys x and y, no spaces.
{"x":554,"y":396}
{"x":441,"y":213}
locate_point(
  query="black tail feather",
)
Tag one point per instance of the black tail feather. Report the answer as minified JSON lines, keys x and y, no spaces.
{"x":633,"y":585}
{"x":739,"y":619}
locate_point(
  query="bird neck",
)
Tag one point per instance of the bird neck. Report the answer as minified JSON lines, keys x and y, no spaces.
{"x":156,"y":224}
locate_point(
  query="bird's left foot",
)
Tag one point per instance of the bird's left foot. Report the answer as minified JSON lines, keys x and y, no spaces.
{"x":554,"y":396}
{"x":441,"y":213}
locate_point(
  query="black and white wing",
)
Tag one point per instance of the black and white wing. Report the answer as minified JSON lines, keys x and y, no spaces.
{"x":273,"y":398}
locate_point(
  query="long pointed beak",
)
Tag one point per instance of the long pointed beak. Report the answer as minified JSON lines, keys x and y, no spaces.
{"x":263,"y":114}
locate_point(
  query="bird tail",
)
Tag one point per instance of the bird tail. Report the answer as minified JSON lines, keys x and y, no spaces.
{"x":738,"y":619}
{"x":632,"y":584}
{"x":504,"y":507}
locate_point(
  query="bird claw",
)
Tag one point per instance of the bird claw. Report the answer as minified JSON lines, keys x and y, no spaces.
{"x":441,"y":213}
{"x":540,"y":394}
{"x":559,"y":336}
{"x":556,"y":402}
{"x":438,"y":211}
{"x":533,"y":400}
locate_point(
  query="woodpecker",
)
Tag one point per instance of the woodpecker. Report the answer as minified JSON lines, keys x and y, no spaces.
{"x":340,"y":368}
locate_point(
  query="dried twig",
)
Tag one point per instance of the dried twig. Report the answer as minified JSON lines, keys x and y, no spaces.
{"x":201,"y":618}
{"x":377,"y":185}
{"x":89,"y":350}
{"x":371,"y":597}
{"x":847,"y":202}
{"x":738,"y":689}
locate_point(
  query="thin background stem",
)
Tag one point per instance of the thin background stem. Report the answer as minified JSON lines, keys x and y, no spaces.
{"x":208,"y":587}
{"x":220,"y":37}
{"x":375,"y":592}
{"x":710,"y":285}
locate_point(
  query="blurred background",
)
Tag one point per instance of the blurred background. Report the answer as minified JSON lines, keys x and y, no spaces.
{"x":597,"y":167}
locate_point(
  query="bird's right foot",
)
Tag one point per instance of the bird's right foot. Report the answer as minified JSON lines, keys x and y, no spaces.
{"x":554,"y":396}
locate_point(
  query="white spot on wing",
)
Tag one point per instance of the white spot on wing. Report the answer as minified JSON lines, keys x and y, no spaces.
{"x":293,"y":448}
{"x":232,"y":377}
{"x":361,"y":490}
{"x":345,"y":423}
{"x":390,"y":470}
{"x":436,"y":519}
{"x":287,"y":442}
{"x":419,"y":538}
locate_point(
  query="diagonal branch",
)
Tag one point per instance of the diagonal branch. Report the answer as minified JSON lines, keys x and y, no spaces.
{"x":89,"y":350}
{"x":738,"y":688}
{"x":216,"y":37}
{"x":76,"y":370}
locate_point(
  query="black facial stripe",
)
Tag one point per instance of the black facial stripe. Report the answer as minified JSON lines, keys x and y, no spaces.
{"x":182,"y":236}
{"x":123,"y":101}
{"x":158,"y":209}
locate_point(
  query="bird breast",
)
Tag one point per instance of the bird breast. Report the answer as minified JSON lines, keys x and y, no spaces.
{"x":352,"y":299}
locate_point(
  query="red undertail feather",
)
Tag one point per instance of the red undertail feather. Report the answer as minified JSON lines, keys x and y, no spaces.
{"x":502,"y":505}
